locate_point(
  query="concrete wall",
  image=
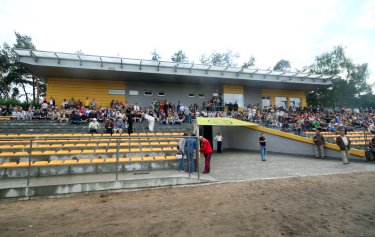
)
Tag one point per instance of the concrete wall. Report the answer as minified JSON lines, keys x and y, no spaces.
{"x":66,"y":88}
{"x":173,"y":93}
{"x":247,"y":139}
{"x":252,"y":96}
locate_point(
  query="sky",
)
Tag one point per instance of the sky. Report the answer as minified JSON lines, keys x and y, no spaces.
{"x":269,"y":30}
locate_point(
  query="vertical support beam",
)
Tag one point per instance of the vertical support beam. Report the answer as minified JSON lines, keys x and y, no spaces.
{"x":34,"y":56}
{"x":117,"y":157}
{"x":29,"y":169}
{"x":222,"y":72}
{"x":208,"y":69}
{"x":198,"y":154}
{"x":58,"y":59}
{"x":192,"y":65}
{"x":80,"y":60}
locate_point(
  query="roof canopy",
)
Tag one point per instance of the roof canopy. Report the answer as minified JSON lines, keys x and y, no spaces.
{"x":54,"y":64}
{"x":224,"y":122}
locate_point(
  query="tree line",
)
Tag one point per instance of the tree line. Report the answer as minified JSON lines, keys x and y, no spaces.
{"x":352,"y":89}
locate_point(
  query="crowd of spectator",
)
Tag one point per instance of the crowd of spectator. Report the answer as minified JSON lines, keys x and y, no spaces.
{"x":292,"y":119}
{"x":299,"y":120}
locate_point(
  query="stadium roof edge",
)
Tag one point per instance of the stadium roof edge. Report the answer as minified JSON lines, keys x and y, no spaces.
{"x":77,"y":61}
{"x":60,"y":56}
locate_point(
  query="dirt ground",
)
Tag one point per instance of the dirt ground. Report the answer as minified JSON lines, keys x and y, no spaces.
{"x":336,"y":205}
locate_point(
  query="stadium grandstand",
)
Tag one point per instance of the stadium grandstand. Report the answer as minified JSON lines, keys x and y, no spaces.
{"x":105,"y":115}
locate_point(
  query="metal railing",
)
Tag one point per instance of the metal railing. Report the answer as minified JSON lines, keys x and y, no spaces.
{"x":110,"y":169}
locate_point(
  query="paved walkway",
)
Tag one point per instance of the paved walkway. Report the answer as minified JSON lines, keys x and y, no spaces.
{"x":241,"y":165}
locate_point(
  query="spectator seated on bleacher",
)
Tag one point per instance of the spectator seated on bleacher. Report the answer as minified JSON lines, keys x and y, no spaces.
{"x":94,"y":126}
{"x":44,"y":106}
{"x":79,"y":103}
{"x":49,"y":114}
{"x":371,"y":128}
{"x":109,"y":125}
{"x":119,"y":126}
{"x":15,"y":114}
{"x":29,"y":114}
{"x":36,"y":114}
{"x":84,"y":118}
{"x":163,"y":119}
{"x":181,"y":117}
{"x":176,"y":119}
{"x":62,"y":115}
{"x":54,"y":113}
{"x":138,"y":116}
{"x":101,"y":116}
{"x":75,"y":118}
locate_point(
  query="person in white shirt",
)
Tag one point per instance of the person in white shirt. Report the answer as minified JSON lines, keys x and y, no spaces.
{"x":15,"y":114}
{"x":136,"y":107}
{"x":94,"y":126}
{"x":151,"y":121}
{"x":64,"y":104}
{"x":219,"y":140}
{"x":343,"y":142}
{"x":371,"y":128}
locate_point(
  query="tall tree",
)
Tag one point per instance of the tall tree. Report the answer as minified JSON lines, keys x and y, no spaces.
{"x":250,"y":63}
{"x":345,"y":91}
{"x":13,"y":73}
{"x":155,"y":56}
{"x":282,"y":65}
{"x":23,"y":77}
{"x":220,"y":59}
{"x":6,"y":67}
{"x":179,"y":56}
{"x":23,"y":42}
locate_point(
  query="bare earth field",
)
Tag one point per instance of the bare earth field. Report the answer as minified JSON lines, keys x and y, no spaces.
{"x":335,"y":205}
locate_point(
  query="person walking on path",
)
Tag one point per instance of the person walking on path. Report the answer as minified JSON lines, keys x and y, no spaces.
{"x":319,"y":145}
{"x":206,"y":150}
{"x":343,"y":142}
{"x":190,"y":148}
{"x":262,"y":142}
{"x":219,"y":140}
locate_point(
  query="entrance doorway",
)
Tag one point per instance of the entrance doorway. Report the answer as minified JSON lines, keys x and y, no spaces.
{"x":206,"y":132}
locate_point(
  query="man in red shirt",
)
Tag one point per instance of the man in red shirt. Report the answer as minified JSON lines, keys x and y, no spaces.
{"x":206,"y":151}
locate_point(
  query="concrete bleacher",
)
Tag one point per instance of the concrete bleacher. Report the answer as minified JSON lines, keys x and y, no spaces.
{"x":18,"y":149}
{"x":53,"y":126}
{"x":66,"y":152}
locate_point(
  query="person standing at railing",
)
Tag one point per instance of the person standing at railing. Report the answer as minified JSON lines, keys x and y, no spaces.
{"x":181,"y":149}
{"x":190,"y":147}
{"x":206,"y":150}
{"x":343,"y":142}
{"x":319,"y":145}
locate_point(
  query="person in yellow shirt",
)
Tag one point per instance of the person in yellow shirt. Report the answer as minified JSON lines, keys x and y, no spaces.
{"x":87,"y":103}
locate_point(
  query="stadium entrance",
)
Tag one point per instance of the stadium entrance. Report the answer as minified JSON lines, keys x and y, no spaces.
{"x":209,"y":127}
